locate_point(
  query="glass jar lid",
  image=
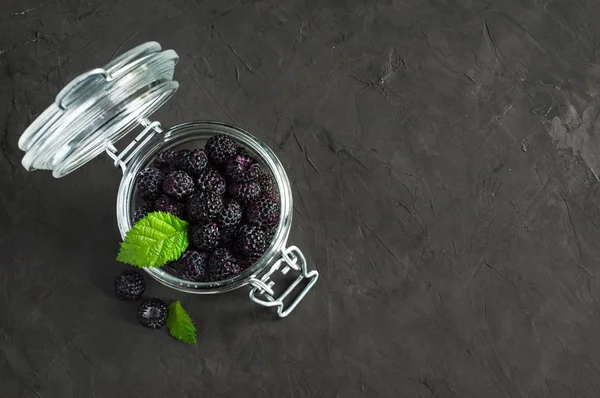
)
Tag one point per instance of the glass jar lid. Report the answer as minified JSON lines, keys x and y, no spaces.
{"x":98,"y":108}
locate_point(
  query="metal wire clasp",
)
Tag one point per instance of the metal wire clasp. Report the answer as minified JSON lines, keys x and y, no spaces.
{"x":291,"y":258}
{"x":122,"y":158}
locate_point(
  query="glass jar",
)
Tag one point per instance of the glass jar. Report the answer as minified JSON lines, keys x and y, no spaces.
{"x":101,"y":106}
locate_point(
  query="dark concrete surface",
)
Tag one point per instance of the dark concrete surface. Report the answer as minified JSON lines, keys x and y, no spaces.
{"x":444,"y":157}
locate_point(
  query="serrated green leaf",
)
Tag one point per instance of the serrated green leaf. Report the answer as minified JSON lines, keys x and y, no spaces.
{"x":180,"y":325}
{"x":154,"y":241}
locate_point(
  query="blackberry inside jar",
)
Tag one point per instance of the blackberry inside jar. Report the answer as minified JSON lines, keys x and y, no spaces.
{"x":239,"y":210}
{"x":229,"y":199}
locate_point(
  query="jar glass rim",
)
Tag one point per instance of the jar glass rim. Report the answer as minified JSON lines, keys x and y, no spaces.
{"x":198,"y":131}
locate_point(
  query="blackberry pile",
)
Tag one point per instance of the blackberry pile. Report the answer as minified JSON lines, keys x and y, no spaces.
{"x":130,"y":286}
{"x":230,"y":203}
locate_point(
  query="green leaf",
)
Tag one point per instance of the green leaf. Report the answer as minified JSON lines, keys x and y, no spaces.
{"x":154,"y":241}
{"x":180,"y":325}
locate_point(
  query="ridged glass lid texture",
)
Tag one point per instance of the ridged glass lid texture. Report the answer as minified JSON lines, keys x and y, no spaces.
{"x":99,"y":107}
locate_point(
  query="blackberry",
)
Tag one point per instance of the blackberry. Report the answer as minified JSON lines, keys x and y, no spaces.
{"x":223,"y":265}
{"x":273,"y":195}
{"x":178,"y":184}
{"x":192,"y":162}
{"x":220,"y":149}
{"x":165,"y":159}
{"x":204,"y":206}
{"x":205,"y":236}
{"x":263,"y":212}
{"x":251,"y":242}
{"x":267,"y":184}
{"x":169,"y":205}
{"x":129,"y":286}
{"x":153,"y":313}
{"x":149,"y":183}
{"x":244,"y":192}
{"x":192,"y":265}
{"x":141,"y":212}
{"x":212,"y":181}
{"x":231,"y":215}
{"x":243,"y":168}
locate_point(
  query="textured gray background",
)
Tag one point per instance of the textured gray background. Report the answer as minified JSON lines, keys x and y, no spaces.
{"x":445,"y":162}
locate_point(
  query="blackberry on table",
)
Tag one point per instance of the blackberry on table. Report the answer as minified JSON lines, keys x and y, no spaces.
{"x":129,"y":286}
{"x":193,"y":265}
{"x":165,"y":159}
{"x":205,"y":236}
{"x":243,"y":168}
{"x":220,"y":149}
{"x":192,"y":162}
{"x":223,"y":265}
{"x":149,"y":183}
{"x":141,"y":212}
{"x":153,"y":313}
{"x":231,"y":215}
{"x":244,"y":192}
{"x":204,"y":206}
{"x":263,"y":212}
{"x":178,"y":184}
{"x":170,"y":205}
{"x":211,"y":180}
{"x":251,"y":242}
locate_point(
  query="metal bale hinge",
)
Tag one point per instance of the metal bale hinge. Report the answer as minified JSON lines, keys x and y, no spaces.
{"x":291,"y":258}
{"x":130,"y":151}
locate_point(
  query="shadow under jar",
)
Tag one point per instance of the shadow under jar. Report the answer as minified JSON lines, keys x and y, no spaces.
{"x":101,"y":106}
